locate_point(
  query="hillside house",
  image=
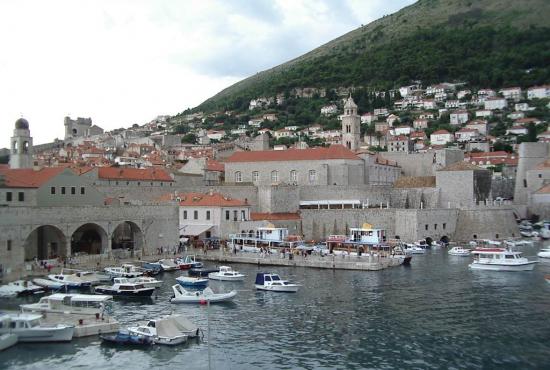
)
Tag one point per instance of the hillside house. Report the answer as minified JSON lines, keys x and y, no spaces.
{"x":466,"y":134}
{"x":420,"y":124}
{"x":459,"y":117}
{"x":512,"y":93}
{"x":538,"y":92}
{"x":494,"y":103}
{"x":441,"y":137}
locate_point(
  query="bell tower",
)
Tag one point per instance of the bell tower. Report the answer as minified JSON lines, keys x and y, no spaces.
{"x":21,"y":145}
{"x":351,"y":125}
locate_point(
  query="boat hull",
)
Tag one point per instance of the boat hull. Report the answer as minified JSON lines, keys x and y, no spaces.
{"x":7,"y":340}
{"x":459,"y":254}
{"x":199,"y":298}
{"x":278,"y":288}
{"x":147,"y":292}
{"x":544,"y":254}
{"x":49,"y":284}
{"x":201,"y":272}
{"x":529,"y":266}
{"x":215,"y":276}
{"x":194,"y":283}
{"x":54,"y":334}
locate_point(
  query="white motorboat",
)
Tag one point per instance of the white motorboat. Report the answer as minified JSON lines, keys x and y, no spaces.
{"x":459,"y":251}
{"x":170,"y":330}
{"x":123,"y":287}
{"x":207,"y":295}
{"x":7,"y":340}
{"x":125,"y":271}
{"x":168,"y":264}
{"x":518,"y":242}
{"x":274,"y":283}
{"x":48,"y":284}
{"x":71,"y":280}
{"x":413,"y":249}
{"x":28,"y":328}
{"x":500,"y":259}
{"x":544,"y":253}
{"x":148,"y":282}
{"x":19,"y":288}
{"x":226,"y":273}
{"x":83,"y":304}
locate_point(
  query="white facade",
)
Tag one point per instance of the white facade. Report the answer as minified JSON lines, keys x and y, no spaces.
{"x":459,"y":117}
{"x":495,"y":103}
{"x":538,"y":92}
{"x":441,"y":138}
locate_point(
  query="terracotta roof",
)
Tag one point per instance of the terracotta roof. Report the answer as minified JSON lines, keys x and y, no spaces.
{"x":28,"y":177}
{"x":462,"y":166}
{"x":146,"y":174}
{"x":415,"y":182}
{"x":441,"y":132}
{"x":255,"y":216}
{"x":202,"y":199}
{"x":212,"y":165}
{"x":399,"y":138}
{"x":499,"y":153}
{"x":312,"y":154}
{"x":465,"y":129}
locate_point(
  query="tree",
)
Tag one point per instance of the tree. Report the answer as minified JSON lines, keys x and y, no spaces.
{"x":189,"y":139}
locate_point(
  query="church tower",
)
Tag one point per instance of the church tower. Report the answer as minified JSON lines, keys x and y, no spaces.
{"x":21,"y":145}
{"x":351,"y":125}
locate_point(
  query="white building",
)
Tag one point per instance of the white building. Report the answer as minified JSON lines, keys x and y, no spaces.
{"x":516,"y":130}
{"x":538,"y":92}
{"x":459,"y":117}
{"x":513,"y":93}
{"x":401,"y":130}
{"x":483,"y":113}
{"x":368,"y":118}
{"x":441,"y":137}
{"x":466,"y":134}
{"x":329,"y":109}
{"x":493,"y":103}
{"x":420,"y":124}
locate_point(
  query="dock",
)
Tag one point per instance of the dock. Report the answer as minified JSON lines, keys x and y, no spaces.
{"x":84,"y":325}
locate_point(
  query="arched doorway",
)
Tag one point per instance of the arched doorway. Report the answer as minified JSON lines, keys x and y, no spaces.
{"x":127,"y":235}
{"x":89,"y":239}
{"x":444,"y":239}
{"x":45,"y":242}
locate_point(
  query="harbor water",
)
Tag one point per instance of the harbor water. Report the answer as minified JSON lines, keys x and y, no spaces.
{"x":435,"y":314}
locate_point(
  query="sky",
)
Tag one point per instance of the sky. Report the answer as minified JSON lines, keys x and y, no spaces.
{"x":124,"y":62}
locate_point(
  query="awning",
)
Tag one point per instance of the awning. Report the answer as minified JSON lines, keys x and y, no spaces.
{"x":194,"y":230}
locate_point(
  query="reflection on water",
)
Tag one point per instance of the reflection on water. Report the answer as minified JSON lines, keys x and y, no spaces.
{"x":434,"y":314}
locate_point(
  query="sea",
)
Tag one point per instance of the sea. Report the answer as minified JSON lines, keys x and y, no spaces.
{"x":434,"y":314}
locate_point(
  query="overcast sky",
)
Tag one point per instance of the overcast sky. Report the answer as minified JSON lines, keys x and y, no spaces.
{"x":125,"y":62}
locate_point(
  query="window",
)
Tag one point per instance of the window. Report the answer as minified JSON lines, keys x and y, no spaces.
{"x":139,"y":183}
{"x":208,"y":215}
{"x":255,"y":176}
{"x":185,"y":215}
{"x":227,"y":215}
{"x":444,"y":225}
{"x":435,"y":226}
{"x":116,"y":183}
{"x":82,"y":190}
{"x":274,"y":176}
{"x":9,"y":245}
{"x":52,"y":190}
{"x":21,"y":196}
{"x":235,"y":214}
{"x":161,"y":184}
{"x":63,"y":190}
{"x":8,"y":196}
{"x":243,"y":215}
{"x":426,"y":226}
{"x":312,"y":176}
{"x":127,"y":183}
{"x":293,"y":176}
{"x":195,"y":215}
{"x":238,"y":176}
{"x":540,"y":175}
{"x":73,"y":190}
{"x":524,"y":183}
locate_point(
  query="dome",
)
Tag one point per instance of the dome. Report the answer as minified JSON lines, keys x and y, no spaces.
{"x":22,"y":123}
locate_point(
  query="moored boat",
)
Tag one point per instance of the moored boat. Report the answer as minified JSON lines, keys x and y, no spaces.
{"x":28,"y":328}
{"x":148,"y":282}
{"x":123,"y":287}
{"x":170,"y":330}
{"x":7,"y":340}
{"x":459,"y":251}
{"x":500,"y":259}
{"x":201,"y":271}
{"x":273,"y":282}
{"x":189,"y":281}
{"x":544,"y":253}
{"x":20,"y":288}
{"x":83,"y":304}
{"x":71,"y":280}
{"x":168,"y":264}
{"x":125,"y":271}
{"x":226,"y":273}
{"x":207,"y":295}
{"x":124,"y":337}
{"x":48,"y":284}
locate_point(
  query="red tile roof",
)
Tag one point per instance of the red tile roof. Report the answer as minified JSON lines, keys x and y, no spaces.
{"x":146,"y":174}
{"x":212,"y":165}
{"x":441,"y":132}
{"x":256,"y":216}
{"x":312,"y":154}
{"x":499,"y":153}
{"x":28,"y":177}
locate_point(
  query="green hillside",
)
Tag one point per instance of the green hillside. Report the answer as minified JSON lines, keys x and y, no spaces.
{"x":489,"y":43}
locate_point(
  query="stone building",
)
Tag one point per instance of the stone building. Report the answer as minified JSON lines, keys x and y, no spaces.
{"x":351,"y":125}
{"x":80,"y":127}
{"x":463,"y":185}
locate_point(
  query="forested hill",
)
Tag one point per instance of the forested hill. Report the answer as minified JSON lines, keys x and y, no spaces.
{"x":486,"y":43}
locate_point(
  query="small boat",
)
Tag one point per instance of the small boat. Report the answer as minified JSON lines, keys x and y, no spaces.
{"x":518,"y":243}
{"x":191,"y":259}
{"x":168,"y":264}
{"x":201,"y":272}
{"x":189,"y":281}
{"x":207,"y":295}
{"x":7,"y":340}
{"x":148,"y":282}
{"x":500,"y":259}
{"x":399,"y":252}
{"x":171,"y":330}
{"x":28,"y":328}
{"x":19,"y":288}
{"x":71,"y":280}
{"x":544,"y":253}
{"x":151,"y":268}
{"x":459,"y":251}
{"x":274,"y":283}
{"x":125,"y":337}
{"x":125,"y":271}
{"x":123,"y":287}
{"x":68,"y":303}
{"x":414,"y":249}
{"x":48,"y":284}
{"x":226,"y":273}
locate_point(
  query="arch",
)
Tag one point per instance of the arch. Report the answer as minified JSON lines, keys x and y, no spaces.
{"x":251,"y":233}
{"x":127,"y":235}
{"x":238,"y":176}
{"x":90,"y":239}
{"x":25,"y":146}
{"x":15,"y":147}
{"x":74,"y":131}
{"x":444,"y":239}
{"x":429,"y":240}
{"x":45,"y":242}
